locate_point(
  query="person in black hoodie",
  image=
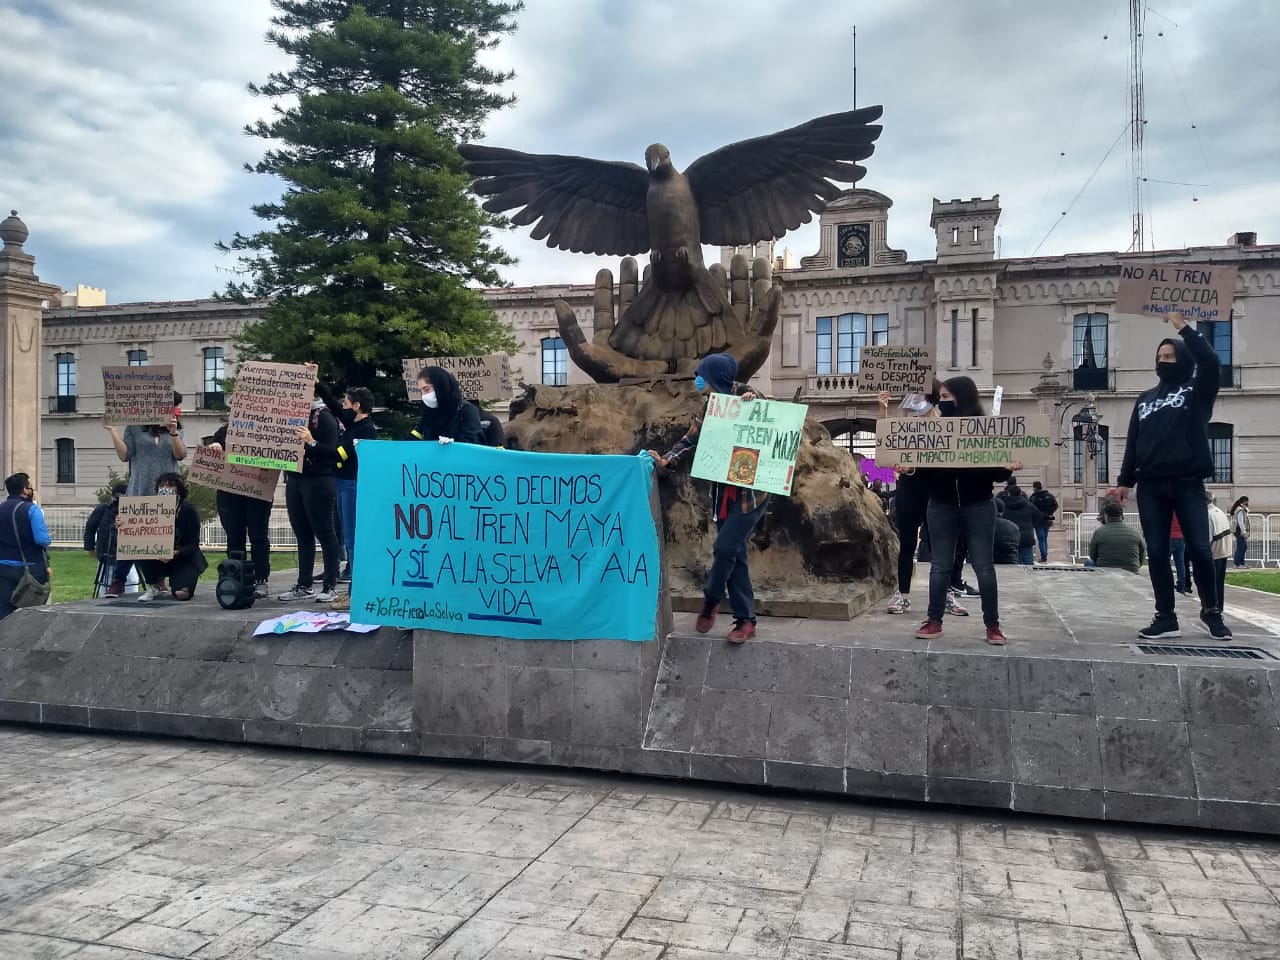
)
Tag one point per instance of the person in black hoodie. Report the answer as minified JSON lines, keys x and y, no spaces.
{"x":1167,"y":456}
{"x":183,"y":569}
{"x":357,"y":404}
{"x":1019,"y":509}
{"x":960,"y":502}
{"x":446,"y":416}
{"x":244,"y":520}
{"x":310,"y":497}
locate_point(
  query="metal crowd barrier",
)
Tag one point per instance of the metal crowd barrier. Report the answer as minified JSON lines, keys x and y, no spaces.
{"x":1263,"y":548}
{"x":66,"y":528}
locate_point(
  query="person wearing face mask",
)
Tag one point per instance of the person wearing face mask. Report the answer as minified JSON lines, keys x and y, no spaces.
{"x":1167,"y":457}
{"x":961,"y":504}
{"x":184,"y":568}
{"x":737,"y":510}
{"x":446,"y":416}
{"x":311,"y":497}
{"x":24,"y":538}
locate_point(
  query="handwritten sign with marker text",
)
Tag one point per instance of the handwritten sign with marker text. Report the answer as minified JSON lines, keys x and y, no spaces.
{"x":749,"y":443}
{"x":271,"y":401}
{"x":481,"y":378}
{"x":210,"y":469}
{"x":964,"y":441}
{"x":145,"y":527}
{"x":1197,"y":291}
{"x":898,"y":369}
{"x":141,"y":395}
{"x":488,"y":542}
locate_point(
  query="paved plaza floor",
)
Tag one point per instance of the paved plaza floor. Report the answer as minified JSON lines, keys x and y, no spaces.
{"x":123,"y":849}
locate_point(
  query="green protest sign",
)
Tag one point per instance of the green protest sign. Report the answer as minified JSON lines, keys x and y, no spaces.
{"x":749,"y":443}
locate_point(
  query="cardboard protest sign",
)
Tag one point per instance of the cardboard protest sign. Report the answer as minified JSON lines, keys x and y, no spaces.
{"x":489,"y":542}
{"x":481,"y":378}
{"x":142,"y":395}
{"x":964,"y":441}
{"x":899,"y":369}
{"x":145,"y":527}
{"x":749,"y":443}
{"x":210,"y":469}
{"x":271,"y":401}
{"x":1197,"y":291}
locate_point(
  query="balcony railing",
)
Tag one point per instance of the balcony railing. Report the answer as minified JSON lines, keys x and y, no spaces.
{"x":831,"y":385}
{"x":62,"y":404}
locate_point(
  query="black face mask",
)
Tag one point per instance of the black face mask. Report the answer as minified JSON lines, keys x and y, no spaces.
{"x":947,"y":408}
{"x":1167,"y":371}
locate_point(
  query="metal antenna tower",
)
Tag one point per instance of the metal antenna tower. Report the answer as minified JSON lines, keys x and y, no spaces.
{"x":1137,"y":184}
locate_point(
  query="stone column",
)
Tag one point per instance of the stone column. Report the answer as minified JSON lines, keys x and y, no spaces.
{"x":22,"y":301}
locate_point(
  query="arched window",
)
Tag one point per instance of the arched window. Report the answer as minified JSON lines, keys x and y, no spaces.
{"x":1221,"y":443}
{"x":1089,"y":351}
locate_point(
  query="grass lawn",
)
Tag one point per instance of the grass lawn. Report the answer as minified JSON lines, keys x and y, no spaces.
{"x":74,"y":570}
{"x":1268,"y":580}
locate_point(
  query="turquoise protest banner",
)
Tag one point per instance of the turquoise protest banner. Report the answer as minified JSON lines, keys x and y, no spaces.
{"x":749,"y":443}
{"x":483,"y":541}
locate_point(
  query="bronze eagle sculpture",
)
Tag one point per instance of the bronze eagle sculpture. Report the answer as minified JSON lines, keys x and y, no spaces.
{"x":745,"y":192}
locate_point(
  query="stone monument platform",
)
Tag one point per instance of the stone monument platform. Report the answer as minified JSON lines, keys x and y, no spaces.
{"x":1074,"y":717}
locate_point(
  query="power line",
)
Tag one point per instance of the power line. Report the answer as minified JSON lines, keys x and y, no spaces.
{"x":1111,"y":149}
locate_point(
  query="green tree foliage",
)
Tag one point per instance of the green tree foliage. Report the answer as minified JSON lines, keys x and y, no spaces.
{"x":376,"y":250}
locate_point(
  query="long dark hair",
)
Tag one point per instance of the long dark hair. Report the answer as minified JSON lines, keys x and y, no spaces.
{"x":1241,"y":501}
{"x":965,"y":393}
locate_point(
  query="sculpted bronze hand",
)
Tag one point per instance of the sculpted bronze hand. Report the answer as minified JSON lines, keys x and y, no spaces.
{"x":748,"y":191}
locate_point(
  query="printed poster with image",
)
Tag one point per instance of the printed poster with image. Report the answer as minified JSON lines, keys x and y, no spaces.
{"x":749,"y":443}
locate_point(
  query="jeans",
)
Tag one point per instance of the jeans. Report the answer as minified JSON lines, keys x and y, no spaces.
{"x":310,"y":501}
{"x":909,"y":505}
{"x":1027,"y":556}
{"x":729,"y":562}
{"x":1042,"y":541}
{"x":1242,"y":545}
{"x":1158,"y":502}
{"x":347,"y":516}
{"x":9,"y":577}
{"x":247,"y":518}
{"x":977,"y":522}
{"x":120,"y":573}
{"x":1178,"y":547}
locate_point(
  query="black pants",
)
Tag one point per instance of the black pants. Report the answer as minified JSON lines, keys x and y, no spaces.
{"x":977,"y":522}
{"x":312,"y":503}
{"x":183,"y":572}
{"x":910,"y":501}
{"x":247,"y":518}
{"x":1158,"y":502}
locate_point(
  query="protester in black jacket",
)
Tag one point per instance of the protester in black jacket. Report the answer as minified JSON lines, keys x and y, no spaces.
{"x":446,"y":416}
{"x":245,"y":520}
{"x":100,"y":528}
{"x":357,"y":405}
{"x":311,"y":499}
{"x":1019,"y":509}
{"x":1005,"y":550}
{"x":182,"y":570}
{"x":1167,"y":456}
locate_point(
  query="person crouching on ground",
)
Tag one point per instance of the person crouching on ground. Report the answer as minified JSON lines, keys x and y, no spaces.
{"x":1166,"y":454}
{"x":737,"y":511}
{"x":960,"y":503}
{"x":187,"y":563}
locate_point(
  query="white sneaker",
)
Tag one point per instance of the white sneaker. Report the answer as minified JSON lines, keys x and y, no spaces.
{"x":149,"y":594}
{"x":261,"y":591}
{"x":900,"y":603}
{"x":297,"y":593}
{"x":954,"y":609}
{"x":326,"y":596}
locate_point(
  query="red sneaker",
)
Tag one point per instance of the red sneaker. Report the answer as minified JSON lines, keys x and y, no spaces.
{"x":707,"y":618}
{"x":743,"y":630}
{"x":995,"y":636}
{"x":930,"y":629}
{"x":116,"y":588}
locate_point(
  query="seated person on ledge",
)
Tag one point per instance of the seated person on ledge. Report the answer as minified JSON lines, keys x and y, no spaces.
{"x":187,"y":563}
{"x":1115,"y":543}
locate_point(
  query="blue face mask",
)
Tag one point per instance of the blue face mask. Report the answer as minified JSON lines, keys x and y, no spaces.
{"x":700,"y":383}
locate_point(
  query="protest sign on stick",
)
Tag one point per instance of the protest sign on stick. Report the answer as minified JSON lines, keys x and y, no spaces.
{"x":142,"y":395}
{"x":271,"y":401}
{"x":899,"y":370}
{"x":481,"y":378}
{"x":749,"y":443}
{"x":508,"y":543}
{"x":965,"y":441}
{"x":210,"y":469}
{"x":145,"y":527}
{"x":1197,"y":291}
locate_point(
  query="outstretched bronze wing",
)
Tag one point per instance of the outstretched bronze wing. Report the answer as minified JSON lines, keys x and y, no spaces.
{"x":759,"y":189}
{"x":581,"y":205}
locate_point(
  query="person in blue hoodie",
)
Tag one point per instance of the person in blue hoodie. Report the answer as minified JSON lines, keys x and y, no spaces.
{"x":737,"y":511}
{"x":1167,"y":457}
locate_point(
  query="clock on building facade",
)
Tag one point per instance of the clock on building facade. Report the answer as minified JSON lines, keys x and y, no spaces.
{"x":853,"y":243}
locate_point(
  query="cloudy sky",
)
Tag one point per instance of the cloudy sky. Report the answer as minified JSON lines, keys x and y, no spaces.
{"x":121,"y":142}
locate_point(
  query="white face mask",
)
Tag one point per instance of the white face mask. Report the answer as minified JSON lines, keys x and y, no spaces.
{"x":167,"y":492}
{"x":430,"y":399}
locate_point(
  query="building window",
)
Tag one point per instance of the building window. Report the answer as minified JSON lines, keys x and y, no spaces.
{"x":1089,"y":351}
{"x":555,"y":362}
{"x":1220,"y":446}
{"x":973,"y":337}
{"x":1078,"y":453}
{"x":852,"y":332}
{"x":1218,"y":333}
{"x":138,"y":358}
{"x":955,"y":339}
{"x":66,"y":382}
{"x":955,"y":234}
{"x":66,"y":460}
{"x":977,"y":232}
{"x":215,"y":371}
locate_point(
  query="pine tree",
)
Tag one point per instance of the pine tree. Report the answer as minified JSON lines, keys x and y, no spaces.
{"x":375,"y":250}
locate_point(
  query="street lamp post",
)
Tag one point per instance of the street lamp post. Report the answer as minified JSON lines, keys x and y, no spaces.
{"x":1087,"y":421}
